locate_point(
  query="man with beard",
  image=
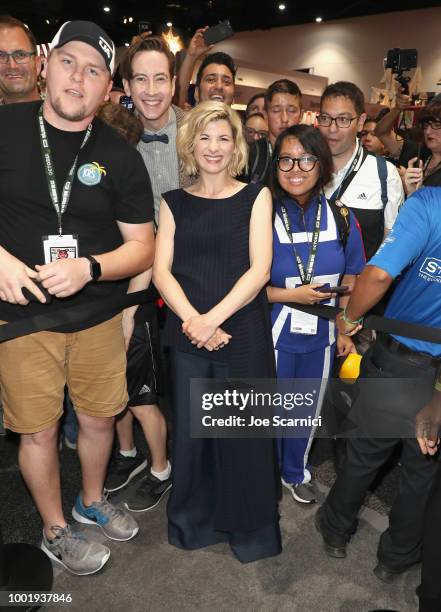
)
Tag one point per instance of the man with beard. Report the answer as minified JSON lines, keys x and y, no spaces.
{"x":20,"y":64}
{"x":80,"y":189}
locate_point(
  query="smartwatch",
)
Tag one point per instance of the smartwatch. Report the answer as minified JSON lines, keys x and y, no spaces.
{"x":95,"y":267}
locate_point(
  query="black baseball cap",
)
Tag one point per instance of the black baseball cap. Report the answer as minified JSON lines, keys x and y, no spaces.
{"x":90,"y":33}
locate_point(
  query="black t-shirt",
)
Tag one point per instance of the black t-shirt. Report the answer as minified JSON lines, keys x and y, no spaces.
{"x":119,"y":190}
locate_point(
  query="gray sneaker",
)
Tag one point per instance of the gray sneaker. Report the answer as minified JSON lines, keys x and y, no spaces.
{"x":302,"y":493}
{"x":74,"y":552}
{"x":116,"y":523}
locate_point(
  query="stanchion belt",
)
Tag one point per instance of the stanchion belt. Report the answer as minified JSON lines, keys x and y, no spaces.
{"x":381,"y":324}
{"x":74,"y":314}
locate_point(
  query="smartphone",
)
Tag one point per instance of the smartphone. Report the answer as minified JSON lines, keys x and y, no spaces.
{"x":338,"y":289}
{"x":144,"y":26}
{"x":219,"y":32}
{"x":127,"y":102}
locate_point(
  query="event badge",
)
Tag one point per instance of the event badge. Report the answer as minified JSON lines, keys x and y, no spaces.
{"x":303,"y":323}
{"x":60,"y":247}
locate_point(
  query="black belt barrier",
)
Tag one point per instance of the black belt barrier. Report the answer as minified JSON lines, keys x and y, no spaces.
{"x":381,"y":324}
{"x":75,"y":314}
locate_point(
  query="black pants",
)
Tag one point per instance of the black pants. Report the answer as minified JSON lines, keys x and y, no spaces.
{"x":430,"y":599}
{"x":380,"y":412}
{"x":197,"y":472}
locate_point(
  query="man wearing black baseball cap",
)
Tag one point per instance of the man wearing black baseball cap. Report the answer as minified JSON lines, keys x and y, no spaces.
{"x":77,"y":210}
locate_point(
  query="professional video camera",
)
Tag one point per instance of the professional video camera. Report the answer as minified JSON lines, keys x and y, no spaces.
{"x":399,"y":61}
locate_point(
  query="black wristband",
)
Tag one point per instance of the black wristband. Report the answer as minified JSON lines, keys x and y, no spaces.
{"x":95,"y":267}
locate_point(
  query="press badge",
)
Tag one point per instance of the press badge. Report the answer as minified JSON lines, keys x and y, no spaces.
{"x":60,"y":247}
{"x":303,"y":323}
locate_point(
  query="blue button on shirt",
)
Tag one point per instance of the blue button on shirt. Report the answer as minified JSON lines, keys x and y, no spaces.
{"x":413,"y":248}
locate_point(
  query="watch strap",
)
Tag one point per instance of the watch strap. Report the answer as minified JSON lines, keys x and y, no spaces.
{"x":95,"y":267}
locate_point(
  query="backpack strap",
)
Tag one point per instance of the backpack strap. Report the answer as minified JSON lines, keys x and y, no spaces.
{"x":261,"y":161}
{"x":382,"y":175}
{"x":342,"y":221}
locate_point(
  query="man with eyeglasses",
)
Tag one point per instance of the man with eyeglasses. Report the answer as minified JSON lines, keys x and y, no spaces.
{"x":357,"y":182}
{"x":20,"y":64}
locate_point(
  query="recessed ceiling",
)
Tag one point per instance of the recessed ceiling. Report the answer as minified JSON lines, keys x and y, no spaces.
{"x":186,"y":15}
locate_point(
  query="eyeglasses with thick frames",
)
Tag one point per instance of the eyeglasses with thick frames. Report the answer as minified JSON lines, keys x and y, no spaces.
{"x":19,"y":57}
{"x":305,"y":163}
{"x":432,"y":122}
{"x":340,"y":121}
{"x":252,"y":133}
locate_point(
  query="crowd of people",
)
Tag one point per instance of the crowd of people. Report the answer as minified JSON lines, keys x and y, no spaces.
{"x":231,"y":221}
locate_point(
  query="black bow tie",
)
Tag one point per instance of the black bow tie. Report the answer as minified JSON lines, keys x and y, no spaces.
{"x":154,"y":137}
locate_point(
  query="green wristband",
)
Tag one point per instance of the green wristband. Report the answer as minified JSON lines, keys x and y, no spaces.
{"x":348,"y":321}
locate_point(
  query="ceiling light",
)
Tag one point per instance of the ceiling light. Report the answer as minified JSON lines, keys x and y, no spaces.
{"x":318,"y":19}
{"x":125,"y":20}
{"x":48,"y":22}
{"x":127,"y":44}
{"x":130,"y":19}
{"x":169,"y":24}
{"x":282,"y":7}
{"x":106,"y":9}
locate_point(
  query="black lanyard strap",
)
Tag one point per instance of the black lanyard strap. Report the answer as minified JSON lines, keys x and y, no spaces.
{"x":306,"y":278}
{"x":357,"y":162}
{"x":50,"y":172}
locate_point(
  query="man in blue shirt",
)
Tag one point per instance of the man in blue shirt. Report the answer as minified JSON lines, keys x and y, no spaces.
{"x":385,"y":410}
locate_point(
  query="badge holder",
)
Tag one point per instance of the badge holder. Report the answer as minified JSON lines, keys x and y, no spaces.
{"x":57,"y":247}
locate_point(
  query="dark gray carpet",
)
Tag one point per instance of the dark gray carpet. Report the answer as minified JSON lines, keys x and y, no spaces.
{"x":147,"y":574}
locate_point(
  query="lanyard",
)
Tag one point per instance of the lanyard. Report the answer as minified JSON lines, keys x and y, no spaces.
{"x":50,"y":173}
{"x":338,"y":193}
{"x":306,"y":278}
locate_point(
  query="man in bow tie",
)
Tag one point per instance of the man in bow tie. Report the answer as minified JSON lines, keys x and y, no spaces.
{"x":148,"y":71}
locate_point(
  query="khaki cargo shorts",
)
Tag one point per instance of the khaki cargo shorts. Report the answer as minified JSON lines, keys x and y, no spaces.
{"x":34,"y":370}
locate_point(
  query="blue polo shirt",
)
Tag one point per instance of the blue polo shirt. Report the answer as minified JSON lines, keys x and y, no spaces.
{"x":331,"y":263}
{"x":413,"y":248}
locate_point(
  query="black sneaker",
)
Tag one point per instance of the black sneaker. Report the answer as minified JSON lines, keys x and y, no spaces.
{"x":121,"y":471}
{"x":149,"y":493}
{"x":302,"y":493}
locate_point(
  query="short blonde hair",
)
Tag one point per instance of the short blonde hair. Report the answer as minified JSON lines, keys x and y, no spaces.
{"x":194,"y":124}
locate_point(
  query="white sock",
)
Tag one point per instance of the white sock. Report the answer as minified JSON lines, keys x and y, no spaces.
{"x":130,"y":453}
{"x":164,"y":474}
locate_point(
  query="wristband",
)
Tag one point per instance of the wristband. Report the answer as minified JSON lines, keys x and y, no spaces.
{"x":348,"y":321}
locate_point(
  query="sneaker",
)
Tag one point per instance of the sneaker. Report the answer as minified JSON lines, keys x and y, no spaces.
{"x":302,"y":493}
{"x":122,"y":470}
{"x":69,"y":443}
{"x":149,"y":493}
{"x":76,"y":554}
{"x":116,"y":524}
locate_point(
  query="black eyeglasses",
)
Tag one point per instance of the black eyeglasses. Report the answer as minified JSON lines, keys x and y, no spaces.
{"x":432,"y":122}
{"x":19,"y":57}
{"x":340,"y":121}
{"x":252,"y":133}
{"x":305,"y":163}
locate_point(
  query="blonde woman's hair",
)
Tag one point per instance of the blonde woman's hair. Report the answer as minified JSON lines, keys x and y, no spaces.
{"x":195,"y":123}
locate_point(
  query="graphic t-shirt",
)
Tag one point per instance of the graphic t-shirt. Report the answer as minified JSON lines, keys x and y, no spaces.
{"x":413,"y":247}
{"x":111,"y":184}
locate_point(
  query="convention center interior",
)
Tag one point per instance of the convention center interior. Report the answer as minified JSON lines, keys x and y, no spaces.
{"x":220,"y":306}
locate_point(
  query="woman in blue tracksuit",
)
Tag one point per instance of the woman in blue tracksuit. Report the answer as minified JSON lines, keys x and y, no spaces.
{"x":308,"y":254}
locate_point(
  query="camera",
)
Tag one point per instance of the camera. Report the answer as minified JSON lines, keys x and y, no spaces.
{"x":399,"y":61}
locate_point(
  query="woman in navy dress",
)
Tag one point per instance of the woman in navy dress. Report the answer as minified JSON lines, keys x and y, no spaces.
{"x":213,"y":259}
